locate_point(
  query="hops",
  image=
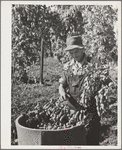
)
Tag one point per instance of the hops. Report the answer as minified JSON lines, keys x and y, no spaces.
{"x":52,"y":116}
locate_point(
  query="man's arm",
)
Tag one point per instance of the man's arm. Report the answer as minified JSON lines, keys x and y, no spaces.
{"x":62,"y":91}
{"x":63,"y":85}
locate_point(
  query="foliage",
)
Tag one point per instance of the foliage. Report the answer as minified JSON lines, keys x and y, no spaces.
{"x":53,"y":115}
{"x":31,"y":23}
{"x":99,"y":34}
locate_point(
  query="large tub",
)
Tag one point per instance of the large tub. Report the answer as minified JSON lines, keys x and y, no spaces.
{"x":69,"y":136}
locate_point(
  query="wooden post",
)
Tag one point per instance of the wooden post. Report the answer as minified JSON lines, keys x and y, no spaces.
{"x":41,"y":62}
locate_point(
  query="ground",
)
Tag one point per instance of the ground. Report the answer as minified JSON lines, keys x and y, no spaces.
{"x":25,"y":97}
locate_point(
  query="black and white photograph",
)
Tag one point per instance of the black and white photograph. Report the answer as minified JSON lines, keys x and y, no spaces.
{"x":61,"y":74}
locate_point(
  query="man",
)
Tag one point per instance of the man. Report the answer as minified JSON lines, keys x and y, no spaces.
{"x":71,"y":84}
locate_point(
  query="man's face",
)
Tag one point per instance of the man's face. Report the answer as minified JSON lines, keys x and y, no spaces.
{"x":77,"y":54}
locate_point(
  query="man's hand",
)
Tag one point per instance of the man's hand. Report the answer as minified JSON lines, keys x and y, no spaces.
{"x":62,"y":92}
{"x":63,"y":95}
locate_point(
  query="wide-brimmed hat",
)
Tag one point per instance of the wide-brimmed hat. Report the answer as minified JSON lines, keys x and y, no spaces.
{"x":73,"y":42}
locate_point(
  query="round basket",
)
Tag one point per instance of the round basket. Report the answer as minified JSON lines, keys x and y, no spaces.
{"x":68,"y":136}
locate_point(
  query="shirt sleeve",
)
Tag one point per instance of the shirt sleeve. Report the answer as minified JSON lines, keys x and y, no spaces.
{"x":63,"y":80}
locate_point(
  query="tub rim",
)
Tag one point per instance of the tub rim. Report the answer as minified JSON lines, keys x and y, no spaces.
{"x":33,"y":129}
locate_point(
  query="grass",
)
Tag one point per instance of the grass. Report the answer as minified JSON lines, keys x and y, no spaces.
{"x":26,"y":96}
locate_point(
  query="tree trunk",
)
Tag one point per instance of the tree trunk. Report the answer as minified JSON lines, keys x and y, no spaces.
{"x":51,"y":51}
{"x":41,"y":62}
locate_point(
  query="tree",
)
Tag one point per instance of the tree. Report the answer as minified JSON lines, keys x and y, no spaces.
{"x":99,"y":37}
{"x":29,"y":24}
